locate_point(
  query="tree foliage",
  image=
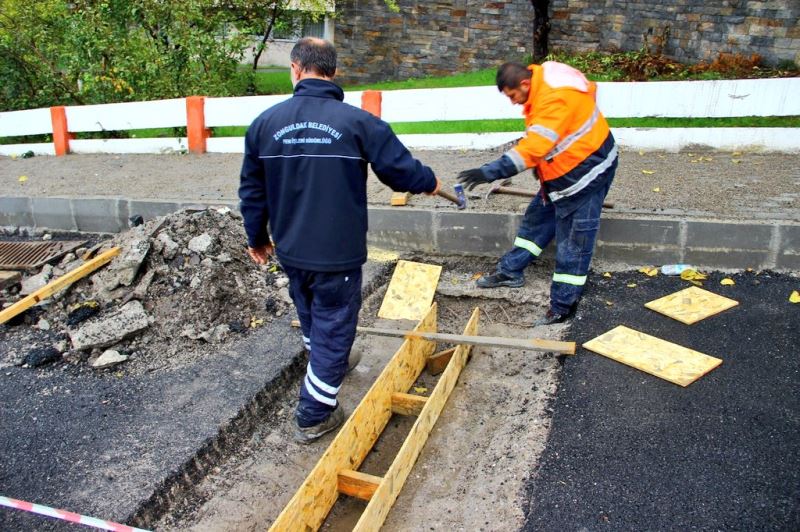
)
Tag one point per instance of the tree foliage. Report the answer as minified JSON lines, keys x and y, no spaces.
{"x":90,"y":51}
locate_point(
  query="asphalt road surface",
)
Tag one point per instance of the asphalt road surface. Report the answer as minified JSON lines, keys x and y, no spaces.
{"x":629,"y":451}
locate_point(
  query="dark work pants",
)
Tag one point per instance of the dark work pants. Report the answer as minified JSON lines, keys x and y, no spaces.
{"x":327,"y":305}
{"x":575,"y":235}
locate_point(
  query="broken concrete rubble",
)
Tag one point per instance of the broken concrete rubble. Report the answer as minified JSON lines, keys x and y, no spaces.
{"x":109,"y":329}
{"x":184,"y":278}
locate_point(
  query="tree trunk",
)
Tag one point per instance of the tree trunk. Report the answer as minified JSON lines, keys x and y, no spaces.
{"x":267,"y":32}
{"x":541,"y":29}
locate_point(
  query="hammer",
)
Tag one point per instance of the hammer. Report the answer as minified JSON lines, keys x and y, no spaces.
{"x":458,"y":198}
{"x":500,"y":188}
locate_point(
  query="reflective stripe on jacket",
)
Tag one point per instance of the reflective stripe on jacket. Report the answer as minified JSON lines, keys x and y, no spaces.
{"x":567,"y":138}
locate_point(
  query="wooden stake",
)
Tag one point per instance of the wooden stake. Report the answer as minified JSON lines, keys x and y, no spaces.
{"x":58,"y":284}
{"x":438,"y":361}
{"x":399,"y":199}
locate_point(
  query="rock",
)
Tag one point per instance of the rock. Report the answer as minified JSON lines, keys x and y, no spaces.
{"x":216,"y":335}
{"x":111,"y":328}
{"x":47,"y":236}
{"x":41,"y":356}
{"x":61,"y":346}
{"x":283,"y":293}
{"x":43,"y":325}
{"x":169,"y":246}
{"x":35,"y":282}
{"x":69,"y":257}
{"x":82,"y":312}
{"x":201,"y":243}
{"x":124,"y":268}
{"x":109,"y":358}
{"x":281,"y":281}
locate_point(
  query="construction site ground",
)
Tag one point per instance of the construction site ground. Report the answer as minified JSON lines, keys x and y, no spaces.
{"x":193,"y":432}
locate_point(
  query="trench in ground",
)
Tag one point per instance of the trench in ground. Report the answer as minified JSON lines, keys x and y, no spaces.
{"x":485,"y":442}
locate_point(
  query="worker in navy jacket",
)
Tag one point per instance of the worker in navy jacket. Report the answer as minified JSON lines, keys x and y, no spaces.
{"x":303,"y":196}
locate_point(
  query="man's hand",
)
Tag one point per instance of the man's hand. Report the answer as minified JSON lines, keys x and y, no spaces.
{"x":261,"y":254}
{"x":472,"y":178}
{"x":436,"y":189}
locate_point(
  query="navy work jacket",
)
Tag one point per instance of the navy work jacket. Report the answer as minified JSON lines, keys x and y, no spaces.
{"x":305,"y":174}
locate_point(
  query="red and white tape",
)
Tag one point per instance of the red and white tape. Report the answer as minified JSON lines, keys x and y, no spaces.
{"x":66,"y":516}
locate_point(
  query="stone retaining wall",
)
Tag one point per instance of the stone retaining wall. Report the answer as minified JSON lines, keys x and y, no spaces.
{"x":428,"y":38}
{"x":698,"y":29}
{"x":441,"y":37}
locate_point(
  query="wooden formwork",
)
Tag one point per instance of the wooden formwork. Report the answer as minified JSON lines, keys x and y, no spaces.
{"x":337,"y":470}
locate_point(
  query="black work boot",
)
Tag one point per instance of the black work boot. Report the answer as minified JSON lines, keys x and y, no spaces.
{"x":500,"y":279}
{"x":551,"y":318}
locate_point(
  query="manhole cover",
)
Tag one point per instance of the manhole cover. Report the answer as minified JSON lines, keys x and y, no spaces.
{"x":31,"y":255}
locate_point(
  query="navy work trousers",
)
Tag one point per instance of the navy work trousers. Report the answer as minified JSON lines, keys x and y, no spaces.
{"x":575,"y":235}
{"x":327,"y":305}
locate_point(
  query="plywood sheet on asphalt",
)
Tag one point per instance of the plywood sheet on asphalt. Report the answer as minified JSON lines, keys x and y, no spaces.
{"x":691,"y":305}
{"x":410,"y":291}
{"x":671,"y":362}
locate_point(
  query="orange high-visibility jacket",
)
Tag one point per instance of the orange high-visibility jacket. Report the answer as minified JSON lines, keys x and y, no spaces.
{"x":567,"y":138}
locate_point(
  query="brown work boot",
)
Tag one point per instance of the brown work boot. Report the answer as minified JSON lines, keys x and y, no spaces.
{"x":306,"y":435}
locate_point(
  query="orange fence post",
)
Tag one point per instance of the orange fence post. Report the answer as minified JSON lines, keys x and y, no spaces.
{"x":61,"y":134}
{"x":371,"y":101}
{"x":196,"y":130}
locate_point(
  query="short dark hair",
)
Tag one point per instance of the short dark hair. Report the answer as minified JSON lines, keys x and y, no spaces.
{"x":315,"y":55}
{"x":510,"y":75}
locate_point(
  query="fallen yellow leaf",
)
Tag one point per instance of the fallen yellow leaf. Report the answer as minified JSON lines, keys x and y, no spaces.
{"x":735,"y":161}
{"x":693,"y":275}
{"x":23,"y":178}
{"x":477,"y":276}
{"x":795,"y":297}
{"x":255,"y":322}
{"x":691,"y":155}
{"x":610,"y":303}
{"x":641,"y":152}
{"x":631,"y":285}
{"x":727,"y":282}
{"x":420,"y":389}
{"x":607,"y":274}
{"x":736,"y":154}
{"x":657,"y":189}
{"x":648,"y":172}
{"x":649,"y":271}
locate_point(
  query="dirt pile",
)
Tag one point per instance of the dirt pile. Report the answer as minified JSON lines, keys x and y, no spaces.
{"x":181,"y":286}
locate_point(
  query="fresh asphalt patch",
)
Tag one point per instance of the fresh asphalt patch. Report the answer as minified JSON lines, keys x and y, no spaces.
{"x":630,"y":451}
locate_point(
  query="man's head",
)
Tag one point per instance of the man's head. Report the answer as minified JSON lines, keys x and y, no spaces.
{"x":514,"y":80}
{"x":312,"y":58}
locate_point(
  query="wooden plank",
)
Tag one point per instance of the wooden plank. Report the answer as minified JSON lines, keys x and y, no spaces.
{"x":400,"y":199}
{"x":671,"y":362}
{"x":9,"y":278}
{"x":691,"y":305}
{"x":411,"y":290}
{"x":313,"y":500}
{"x":438,"y":361}
{"x":357,"y":484}
{"x":532,"y":344}
{"x":58,"y":284}
{"x":407,"y":404}
{"x":378,"y":508}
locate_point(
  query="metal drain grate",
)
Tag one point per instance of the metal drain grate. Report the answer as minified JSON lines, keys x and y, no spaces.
{"x":31,"y":255}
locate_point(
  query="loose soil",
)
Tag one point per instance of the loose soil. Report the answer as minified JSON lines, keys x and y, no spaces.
{"x":697,"y":182}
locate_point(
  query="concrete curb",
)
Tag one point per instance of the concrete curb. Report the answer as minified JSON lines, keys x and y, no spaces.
{"x":674,"y":237}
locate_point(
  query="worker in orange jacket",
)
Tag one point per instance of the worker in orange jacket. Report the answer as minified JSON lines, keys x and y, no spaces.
{"x":570,"y":146}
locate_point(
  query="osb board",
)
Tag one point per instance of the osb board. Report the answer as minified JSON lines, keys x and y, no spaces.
{"x":410,"y":291}
{"x":378,"y":508}
{"x":691,"y":305}
{"x":313,"y":500}
{"x":652,"y":355}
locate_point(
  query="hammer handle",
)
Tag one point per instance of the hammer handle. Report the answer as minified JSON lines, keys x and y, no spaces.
{"x":446,"y":195}
{"x":528,"y":194}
